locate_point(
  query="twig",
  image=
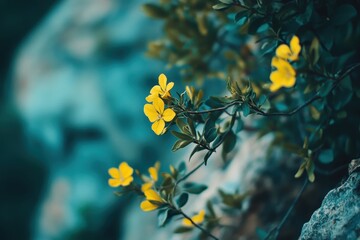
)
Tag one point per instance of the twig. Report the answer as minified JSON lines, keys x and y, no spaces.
{"x":273,"y":234}
{"x":330,"y":172}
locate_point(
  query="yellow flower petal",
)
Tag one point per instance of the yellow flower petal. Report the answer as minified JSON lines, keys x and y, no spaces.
{"x":289,"y":82}
{"x":146,"y":186}
{"x":127,"y":181}
{"x":169,"y":86}
{"x":199,"y":218}
{"x":114,"y":172}
{"x":288,"y":69}
{"x":155,"y":90}
{"x":277,"y":62}
{"x":153,"y":173}
{"x":277,"y":77}
{"x":147,"y":206}
{"x":114,"y":182}
{"x":283,"y":51}
{"x":150,"y":112}
{"x":158,"y":126}
{"x":168,"y":115}
{"x":159,"y":105}
{"x":295,"y":48}
{"x":187,"y":223}
{"x":151,"y":97}
{"x":152,"y":195}
{"x":162,"y":81}
{"x":125,"y":170}
{"x":274,"y":87}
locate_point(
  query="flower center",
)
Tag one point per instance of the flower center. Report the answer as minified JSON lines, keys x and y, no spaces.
{"x":159,"y":116}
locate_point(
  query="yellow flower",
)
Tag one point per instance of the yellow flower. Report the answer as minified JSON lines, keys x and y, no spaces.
{"x":121,"y":176}
{"x":153,"y":172}
{"x":284,"y":76}
{"x":199,"y":218}
{"x":157,"y":114}
{"x":163,"y":89}
{"x":289,"y":53}
{"x":152,"y":202}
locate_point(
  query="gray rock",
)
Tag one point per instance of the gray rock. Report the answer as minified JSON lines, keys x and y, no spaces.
{"x":339,"y":214}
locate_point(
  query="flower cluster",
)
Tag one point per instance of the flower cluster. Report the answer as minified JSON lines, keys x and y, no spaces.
{"x":122,"y":176}
{"x":285,"y":74}
{"x":155,"y":109}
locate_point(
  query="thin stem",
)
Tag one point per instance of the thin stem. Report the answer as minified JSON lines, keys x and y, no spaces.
{"x":292,"y":112}
{"x":213,"y":109}
{"x":186,"y":176}
{"x":189,"y":174}
{"x":330,"y":172}
{"x":197,"y":225}
{"x":273,"y":234}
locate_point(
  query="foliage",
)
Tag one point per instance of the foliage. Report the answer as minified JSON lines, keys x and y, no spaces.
{"x":309,"y":101}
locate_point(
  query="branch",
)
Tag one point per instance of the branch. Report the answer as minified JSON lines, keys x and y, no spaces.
{"x":273,"y":234}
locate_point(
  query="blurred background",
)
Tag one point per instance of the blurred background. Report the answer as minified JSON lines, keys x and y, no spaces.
{"x":73,"y":79}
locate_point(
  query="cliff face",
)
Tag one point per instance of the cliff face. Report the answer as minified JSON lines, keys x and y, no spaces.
{"x":339,"y":214}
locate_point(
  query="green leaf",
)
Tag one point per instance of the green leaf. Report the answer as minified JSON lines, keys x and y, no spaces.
{"x":304,"y":18}
{"x":192,"y":126}
{"x":255,"y":24}
{"x":182,"y":136}
{"x":262,"y":100}
{"x":206,"y":158}
{"x":228,"y":2}
{"x":195,"y":188}
{"x":326,"y":156}
{"x":183,"y":229}
{"x":343,"y":14}
{"x":210,"y":135}
{"x":182,"y":168}
{"x":325,"y":88}
{"x":162,"y":216}
{"x":196,"y":149}
{"x":241,"y":17}
{"x":300,"y":171}
{"x":314,"y":51}
{"x":210,"y":209}
{"x":182,"y":126}
{"x":182,"y":200}
{"x":310,"y":170}
{"x":180,"y":144}
{"x":245,"y":109}
{"x":221,"y":6}
{"x":209,"y":124}
{"x":239,"y":125}
{"x":268,"y":46}
{"x":228,"y":144}
{"x":261,"y":233}
{"x":155,"y":11}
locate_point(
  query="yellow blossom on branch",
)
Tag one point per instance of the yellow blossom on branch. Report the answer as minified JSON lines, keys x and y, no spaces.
{"x":153,"y":172}
{"x":289,"y":53}
{"x":158,"y":115}
{"x":162,"y":90}
{"x":199,"y":218}
{"x":283,"y":76}
{"x":121,"y":176}
{"x":152,"y":202}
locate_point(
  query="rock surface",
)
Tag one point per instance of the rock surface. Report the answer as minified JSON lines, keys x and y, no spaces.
{"x":339,"y":214}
